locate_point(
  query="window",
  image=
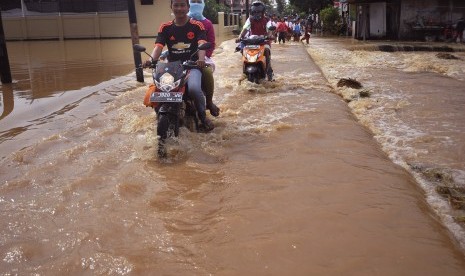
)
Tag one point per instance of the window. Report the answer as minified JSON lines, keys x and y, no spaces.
{"x":7,"y":5}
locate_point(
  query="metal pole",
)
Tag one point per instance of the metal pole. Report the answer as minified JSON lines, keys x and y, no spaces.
{"x":135,"y":39}
{"x":246,"y":9}
{"x":5,"y":72}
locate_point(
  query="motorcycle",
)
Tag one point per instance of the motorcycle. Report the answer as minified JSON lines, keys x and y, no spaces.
{"x":255,"y":67}
{"x":168,"y":96}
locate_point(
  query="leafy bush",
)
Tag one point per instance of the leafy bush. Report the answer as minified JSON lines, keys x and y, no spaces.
{"x":331,"y":20}
{"x":211,"y":10}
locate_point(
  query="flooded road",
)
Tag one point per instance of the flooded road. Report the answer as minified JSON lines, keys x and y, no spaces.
{"x":288,"y":183}
{"x":414,"y":109}
{"x":55,"y":77}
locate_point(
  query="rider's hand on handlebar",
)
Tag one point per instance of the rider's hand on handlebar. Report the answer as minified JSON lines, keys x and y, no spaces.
{"x":201,"y":63}
{"x":149,"y":63}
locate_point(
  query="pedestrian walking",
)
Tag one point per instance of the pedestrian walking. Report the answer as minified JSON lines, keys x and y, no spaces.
{"x":296,"y":31}
{"x":282,"y":31}
{"x":459,"y":30}
{"x":306,"y":36}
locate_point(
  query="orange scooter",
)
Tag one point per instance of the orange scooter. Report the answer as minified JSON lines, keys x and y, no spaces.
{"x":255,"y":66}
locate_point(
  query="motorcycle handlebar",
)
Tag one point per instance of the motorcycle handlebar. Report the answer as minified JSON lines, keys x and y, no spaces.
{"x":150,"y":64}
{"x":265,"y":39}
{"x":190,"y":64}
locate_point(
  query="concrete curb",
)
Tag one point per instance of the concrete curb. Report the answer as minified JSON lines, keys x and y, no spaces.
{"x":408,"y":48}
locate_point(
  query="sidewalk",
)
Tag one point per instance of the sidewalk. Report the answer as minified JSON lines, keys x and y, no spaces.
{"x":407,"y":46}
{"x":411,"y":103}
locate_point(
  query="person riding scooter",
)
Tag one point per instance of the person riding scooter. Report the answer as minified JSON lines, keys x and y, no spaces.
{"x":259,"y":24}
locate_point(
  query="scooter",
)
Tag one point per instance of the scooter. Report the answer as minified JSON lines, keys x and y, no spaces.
{"x":254,"y":59}
{"x":168,"y":96}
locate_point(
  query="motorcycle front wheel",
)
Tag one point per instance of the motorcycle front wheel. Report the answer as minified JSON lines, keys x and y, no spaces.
{"x":163,"y":126}
{"x":250,"y":77}
{"x":162,"y":132}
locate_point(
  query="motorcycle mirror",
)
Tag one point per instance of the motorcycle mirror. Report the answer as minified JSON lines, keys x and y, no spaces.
{"x":138,"y":48}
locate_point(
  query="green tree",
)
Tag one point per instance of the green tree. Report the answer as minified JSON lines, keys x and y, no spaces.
{"x":311,"y":5}
{"x":211,"y":10}
{"x":331,"y":20}
{"x":290,"y":9}
{"x":281,"y":5}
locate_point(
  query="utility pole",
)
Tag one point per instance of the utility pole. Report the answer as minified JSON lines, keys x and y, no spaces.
{"x":135,"y":40}
{"x":5,"y":72}
{"x":246,"y":9}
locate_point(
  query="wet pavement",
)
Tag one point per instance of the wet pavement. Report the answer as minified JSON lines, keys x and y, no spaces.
{"x":410,"y":97}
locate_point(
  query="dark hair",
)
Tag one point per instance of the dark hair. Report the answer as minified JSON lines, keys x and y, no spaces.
{"x":257,"y":7}
{"x":187,"y":2}
{"x":257,"y":10}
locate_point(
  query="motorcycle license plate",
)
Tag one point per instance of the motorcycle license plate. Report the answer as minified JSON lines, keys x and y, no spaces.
{"x":166,"y":97}
{"x":252,"y":46}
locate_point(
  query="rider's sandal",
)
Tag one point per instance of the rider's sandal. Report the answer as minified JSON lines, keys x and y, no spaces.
{"x":214,"y":110}
{"x":207,"y":126}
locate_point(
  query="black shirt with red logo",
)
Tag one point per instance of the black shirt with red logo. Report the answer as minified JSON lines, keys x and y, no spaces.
{"x":181,"y":41}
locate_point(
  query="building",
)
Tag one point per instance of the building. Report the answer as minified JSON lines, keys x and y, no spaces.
{"x":240,"y":6}
{"x":404,"y":19}
{"x":235,"y":6}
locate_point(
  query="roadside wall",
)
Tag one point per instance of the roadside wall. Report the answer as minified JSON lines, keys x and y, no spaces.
{"x":95,"y":25}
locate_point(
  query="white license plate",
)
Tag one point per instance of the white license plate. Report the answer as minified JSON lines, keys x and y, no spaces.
{"x":166,"y":97}
{"x":252,"y":46}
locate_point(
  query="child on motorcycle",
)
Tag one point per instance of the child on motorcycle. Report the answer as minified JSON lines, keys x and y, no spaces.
{"x":208,"y":83}
{"x":182,"y":37}
{"x":259,"y":24}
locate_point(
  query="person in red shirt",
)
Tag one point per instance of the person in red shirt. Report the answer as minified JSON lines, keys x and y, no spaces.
{"x":281,"y":28}
{"x":259,"y":24}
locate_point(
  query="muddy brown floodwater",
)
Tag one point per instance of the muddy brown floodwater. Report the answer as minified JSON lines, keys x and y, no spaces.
{"x":288,"y":183}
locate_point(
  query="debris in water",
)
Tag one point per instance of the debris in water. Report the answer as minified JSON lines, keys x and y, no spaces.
{"x":364,"y":94}
{"x":352,"y":83}
{"x":446,"y":187}
{"x":444,"y":190}
{"x":455,"y":195}
{"x":459,"y":219}
{"x":457,"y":203}
{"x":446,"y":56}
{"x":438,"y":175}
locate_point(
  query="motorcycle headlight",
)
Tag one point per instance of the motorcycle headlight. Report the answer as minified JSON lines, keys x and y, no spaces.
{"x":167,"y":83}
{"x":252,"y":58}
{"x":166,"y":78}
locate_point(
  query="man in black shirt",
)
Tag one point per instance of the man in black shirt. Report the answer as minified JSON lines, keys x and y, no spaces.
{"x":182,"y":36}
